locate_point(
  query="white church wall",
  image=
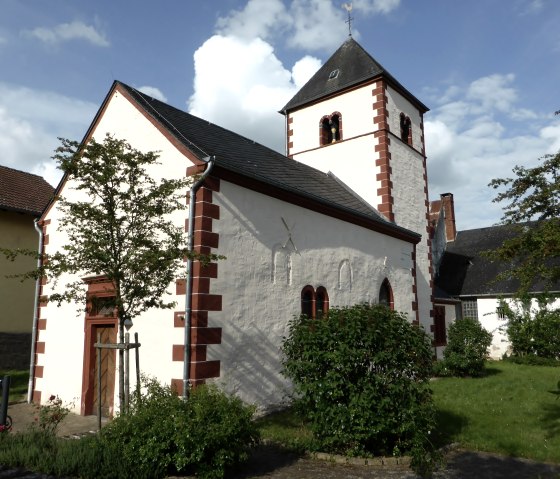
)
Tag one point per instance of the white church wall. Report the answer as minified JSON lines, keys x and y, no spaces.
{"x":450,"y":318}
{"x":64,"y":335}
{"x":258,"y":300}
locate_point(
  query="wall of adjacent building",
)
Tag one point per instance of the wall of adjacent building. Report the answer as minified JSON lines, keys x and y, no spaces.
{"x":16,"y":297}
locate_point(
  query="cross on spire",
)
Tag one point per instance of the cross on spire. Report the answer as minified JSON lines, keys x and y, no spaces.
{"x":348,"y":7}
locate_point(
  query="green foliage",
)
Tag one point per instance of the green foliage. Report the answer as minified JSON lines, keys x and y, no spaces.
{"x":361,"y":379}
{"x":534,"y":194}
{"x":118,"y":224}
{"x":41,"y":451}
{"x":533,"y":331}
{"x":467,"y":348}
{"x":117,"y":220}
{"x":51,"y":414}
{"x":165,"y":434}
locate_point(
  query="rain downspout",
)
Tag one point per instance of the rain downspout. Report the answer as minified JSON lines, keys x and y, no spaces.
{"x":189,"y":286}
{"x":35,"y":316}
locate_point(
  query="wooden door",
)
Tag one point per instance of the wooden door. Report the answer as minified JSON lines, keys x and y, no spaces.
{"x":108,"y":335}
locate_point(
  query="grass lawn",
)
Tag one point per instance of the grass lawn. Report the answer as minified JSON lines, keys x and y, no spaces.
{"x":18,"y":384}
{"x":510,"y":411}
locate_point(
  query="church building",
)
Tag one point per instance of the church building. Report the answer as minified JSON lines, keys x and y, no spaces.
{"x":341,"y":219}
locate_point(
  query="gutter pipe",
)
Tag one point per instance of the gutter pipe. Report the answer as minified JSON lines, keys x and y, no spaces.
{"x":189,"y":281}
{"x":35,"y":315}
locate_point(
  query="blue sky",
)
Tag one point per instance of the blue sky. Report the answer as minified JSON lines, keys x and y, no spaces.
{"x":488,"y":69}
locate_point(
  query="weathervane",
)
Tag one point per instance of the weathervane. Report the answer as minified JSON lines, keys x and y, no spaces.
{"x":348,"y":7}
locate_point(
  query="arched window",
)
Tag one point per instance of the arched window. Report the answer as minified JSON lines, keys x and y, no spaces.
{"x":386,"y":294}
{"x":314,"y":304}
{"x":308,"y":301}
{"x":321,"y":302}
{"x":325,"y":134}
{"x":330,"y":128}
{"x":406,"y":130}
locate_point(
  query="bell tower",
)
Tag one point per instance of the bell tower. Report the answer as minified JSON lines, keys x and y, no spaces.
{"x":354,"y":119}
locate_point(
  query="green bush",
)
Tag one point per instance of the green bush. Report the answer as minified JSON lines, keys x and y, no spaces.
{"x":533,"y":331}
{"x":467,"y":348}
{"x":40,"y":451}
{"x":532,"y":360}
{"x":361,"y":379}
{"x":164,"y":434}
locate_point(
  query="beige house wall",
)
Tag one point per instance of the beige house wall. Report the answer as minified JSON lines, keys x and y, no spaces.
{"x":16,"y":297}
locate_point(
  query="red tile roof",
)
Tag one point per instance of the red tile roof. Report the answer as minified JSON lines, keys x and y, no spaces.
{"x":23,"y":192}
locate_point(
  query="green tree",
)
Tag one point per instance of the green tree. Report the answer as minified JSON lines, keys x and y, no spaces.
{"x":118,"y":225}
{"x":533,"y":195}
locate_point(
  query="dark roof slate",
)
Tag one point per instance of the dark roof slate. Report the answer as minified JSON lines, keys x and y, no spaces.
{"x":354,"y":66}
{"x":243,"y":156}
{"x":23,"y":192}
{"x":465,"y":271}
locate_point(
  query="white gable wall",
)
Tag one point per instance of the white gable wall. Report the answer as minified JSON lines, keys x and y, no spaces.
{"x":258,"y":303}
{"x":63,"y":359}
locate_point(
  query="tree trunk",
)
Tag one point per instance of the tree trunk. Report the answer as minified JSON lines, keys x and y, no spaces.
{"x":121,"y":366}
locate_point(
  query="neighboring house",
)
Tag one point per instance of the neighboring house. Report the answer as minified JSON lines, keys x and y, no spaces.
{"x":468,"y":278}
{"x":23,"y":197}
{"x":297,"y":238}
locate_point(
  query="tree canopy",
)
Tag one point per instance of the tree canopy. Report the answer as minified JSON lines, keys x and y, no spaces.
{"x":117,"y":219}
{"x":532,"y":199}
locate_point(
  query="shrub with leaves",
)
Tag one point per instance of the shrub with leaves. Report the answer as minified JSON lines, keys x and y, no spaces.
{"x":164,"y":434}
{"x":467,"y":348}
{"x":51,"y":414}
{"x":533,"y":329}
{"x":361,"y":376}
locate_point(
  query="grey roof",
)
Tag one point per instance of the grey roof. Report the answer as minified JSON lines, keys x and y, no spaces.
{"x":354,"y":66}
{"x":23,"y":192}
{"x":465,"y":271}
{"x":249,"y":159}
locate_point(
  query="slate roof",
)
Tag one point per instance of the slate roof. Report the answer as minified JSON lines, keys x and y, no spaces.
{"x":23,"y":192}
{"x":245,"y":157}
{"x":354,"y":66}
{"x":464,"y":271}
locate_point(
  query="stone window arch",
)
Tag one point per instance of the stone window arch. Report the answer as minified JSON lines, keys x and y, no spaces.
{"x":406,"y":129}
{"x":386,"y":294}
{"x":314,"y":303}
{"x":330,"y":128}
{"x":321,"y":302}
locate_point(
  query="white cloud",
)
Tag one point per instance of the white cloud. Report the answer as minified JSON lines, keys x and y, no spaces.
{"x":310,"y":25}
{"x":493,"y":92}
{"x":75,"y":30}
{"x":153,"y":92}
{"x":376,"y":6}
{"x":470,"y":141}
{"x":259,"y":19}
{"x":30,"y":123}
{"x":317,"y":25}
{"x":240,"y":85}
{"x":304,"y":69}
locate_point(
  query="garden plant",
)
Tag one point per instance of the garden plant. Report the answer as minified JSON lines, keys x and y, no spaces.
{"x":361,"y":380}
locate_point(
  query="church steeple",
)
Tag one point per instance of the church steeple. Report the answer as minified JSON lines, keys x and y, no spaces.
{"x":354,"y":119}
